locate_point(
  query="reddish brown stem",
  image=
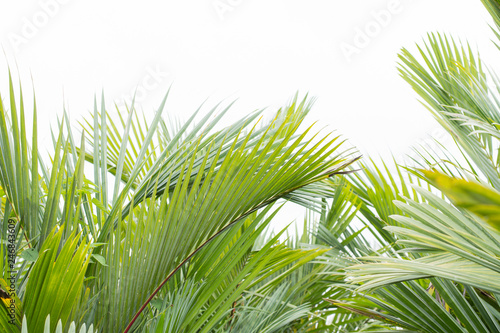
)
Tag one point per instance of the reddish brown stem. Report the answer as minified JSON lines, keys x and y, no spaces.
{"x":329,"y":174}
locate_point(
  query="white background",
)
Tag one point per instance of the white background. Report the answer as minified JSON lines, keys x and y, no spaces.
{"x":259,"y":52}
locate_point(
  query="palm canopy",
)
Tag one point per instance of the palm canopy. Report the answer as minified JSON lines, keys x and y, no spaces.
{"x":440,"y":214}
{"x":167,"y":232}
{"x":151,"y":225}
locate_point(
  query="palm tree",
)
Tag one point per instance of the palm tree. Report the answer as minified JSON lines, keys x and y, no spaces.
{"x":157,"y":226}
{"x":438,"y":264}
{"x":151,"y":225}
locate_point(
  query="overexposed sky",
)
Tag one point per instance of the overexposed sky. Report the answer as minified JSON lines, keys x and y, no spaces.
{"x":259,"y":52}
